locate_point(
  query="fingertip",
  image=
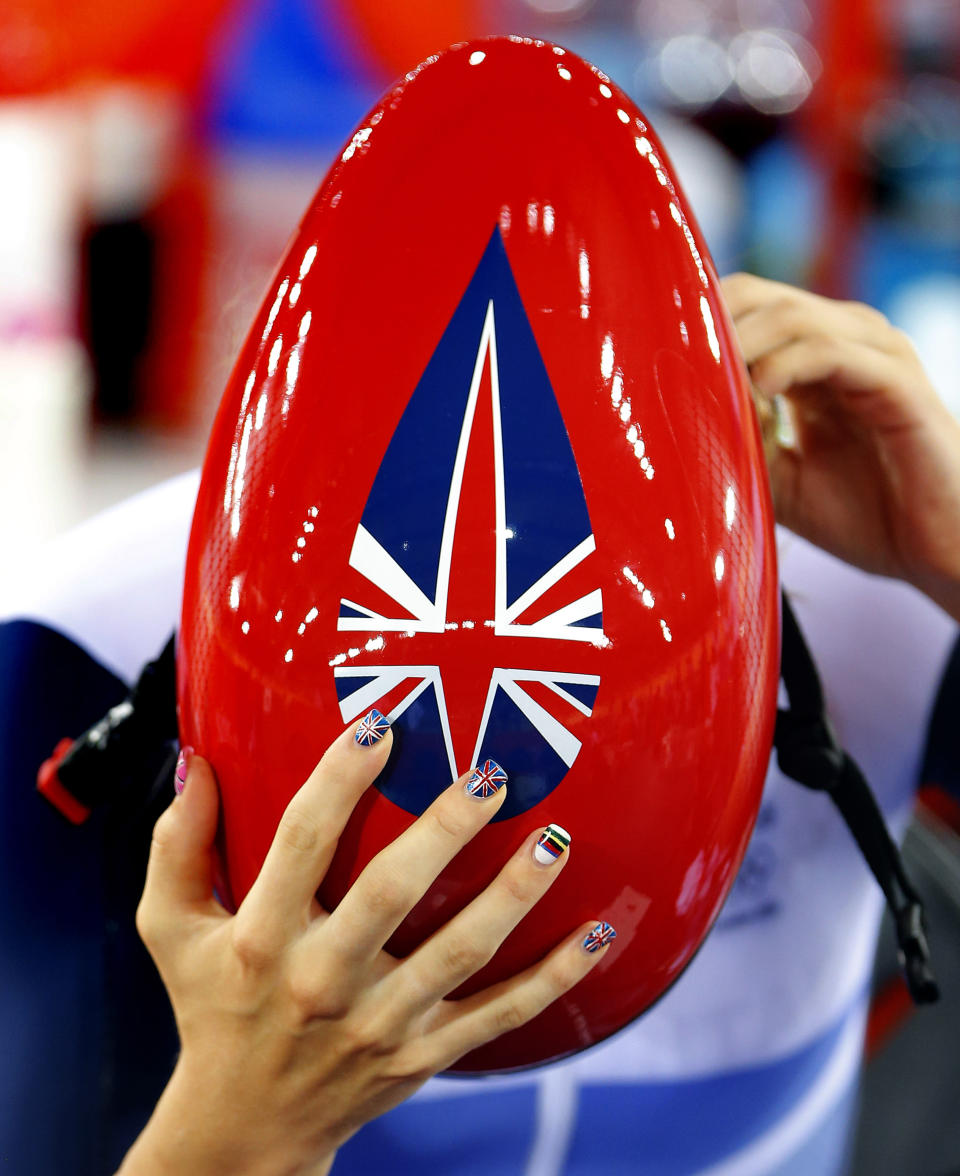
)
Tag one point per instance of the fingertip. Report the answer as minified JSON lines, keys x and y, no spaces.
{"x":179,"y":871}
{"x":551,"y":847}
{"x":370,"y":731}
{"x":196,"y":796}
{"x":485,"y":782}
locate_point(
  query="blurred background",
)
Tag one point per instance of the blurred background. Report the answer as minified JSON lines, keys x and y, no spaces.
{"x":154,"y":158}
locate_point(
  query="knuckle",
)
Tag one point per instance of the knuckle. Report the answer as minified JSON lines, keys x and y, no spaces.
{"x":163,"y":836}
{"x":361,"y":1036}
{"x":791,"y":314}
{"x":304,"y":996}
{"x":507,"y":1018}
{"x":412,"y":1065}
{"x":515,"y":886}
{"x":251,"y":946}
{"x":315,"y":998}
{"x":736,"y":289}
{"x":738,"y":279}
{"x":462,"y":957}
{"x":902,"y":342}
{"x":382,"y":1034}
{"x":147,"y":923}
{"x":829,"y":347}
{"x":562,"y":977}
{"x":387,"y":895}
{"x":298,"y":830}
{"x":868,"y":312}
{"x":450,"y":824}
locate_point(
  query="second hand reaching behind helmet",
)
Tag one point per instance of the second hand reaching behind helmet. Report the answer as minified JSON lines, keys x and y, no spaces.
{"x":488,"y":462}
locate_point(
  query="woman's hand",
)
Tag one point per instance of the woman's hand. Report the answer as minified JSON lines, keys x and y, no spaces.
{"x":875,"y":475}
{"x":296,"y":1027}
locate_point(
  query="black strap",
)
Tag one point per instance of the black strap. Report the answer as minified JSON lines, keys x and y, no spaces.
{"x":120,"y":758}
{"x":808,"y":752}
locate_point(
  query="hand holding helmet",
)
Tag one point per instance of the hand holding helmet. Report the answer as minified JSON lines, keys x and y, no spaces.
{"x":296,"y":1027}
{"x":874,"y":477}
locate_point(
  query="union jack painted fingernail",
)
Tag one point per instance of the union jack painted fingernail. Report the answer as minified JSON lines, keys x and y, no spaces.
{"x":599,"y":937}
{"x":372,"y":728}
{"x":551,"y":843}
{"x":486,"y":780}
{"x":180,"y":775}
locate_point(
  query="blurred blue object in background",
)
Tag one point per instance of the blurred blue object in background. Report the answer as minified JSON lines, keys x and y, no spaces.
{"x":289,"y":75}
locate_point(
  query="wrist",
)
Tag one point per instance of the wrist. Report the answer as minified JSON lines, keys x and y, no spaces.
{"x":186,"y":1135}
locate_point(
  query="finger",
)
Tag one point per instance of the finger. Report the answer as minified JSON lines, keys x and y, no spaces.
{"x":470,"y":940}
{"x":398,"y":877}
{"x":310,"y":828}
{"x":745,"y":292}
{"x":848,"y":366}
{"x":769,"y":314}
{"x":179,"y":882}
{"x":763,"y":330}
{"x":467,"y":1024}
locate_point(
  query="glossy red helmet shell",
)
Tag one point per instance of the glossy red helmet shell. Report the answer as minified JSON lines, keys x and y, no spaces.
{"x":488,"y":461}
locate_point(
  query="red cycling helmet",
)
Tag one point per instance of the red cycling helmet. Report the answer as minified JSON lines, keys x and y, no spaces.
{"x":488,"y":462}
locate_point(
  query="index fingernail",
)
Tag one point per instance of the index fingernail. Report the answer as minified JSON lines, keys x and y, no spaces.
{"x":487,"y":779}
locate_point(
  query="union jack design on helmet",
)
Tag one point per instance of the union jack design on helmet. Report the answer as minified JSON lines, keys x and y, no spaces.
{"x":476,"y":525}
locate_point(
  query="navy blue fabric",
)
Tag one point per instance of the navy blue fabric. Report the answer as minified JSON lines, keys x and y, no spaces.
{"x":87,"y":1035}
{"x":941,"y":761}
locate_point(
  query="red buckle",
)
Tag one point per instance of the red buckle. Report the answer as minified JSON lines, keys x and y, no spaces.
{"x":50,"y":786}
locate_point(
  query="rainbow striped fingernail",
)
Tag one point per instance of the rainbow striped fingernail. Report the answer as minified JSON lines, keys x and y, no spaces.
{"x":180,"y":775}
{"x":551,"y":843}
{"x":599,"y":937}
{"x":371,"y":729}
{"x":486,"y":780}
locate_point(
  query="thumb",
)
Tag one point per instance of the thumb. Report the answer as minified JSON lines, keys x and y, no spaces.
{"x":180,"y":871}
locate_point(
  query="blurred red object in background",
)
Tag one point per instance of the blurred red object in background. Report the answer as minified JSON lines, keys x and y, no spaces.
{"x":399,"y":36}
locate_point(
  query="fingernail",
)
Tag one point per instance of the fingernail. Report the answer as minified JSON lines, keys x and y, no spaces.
{"x":486,"y":780}
{"x":552,"y":842}
{"x":180,"y":775}
{"x":599,"y":937}
{"x":373,"y":726}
